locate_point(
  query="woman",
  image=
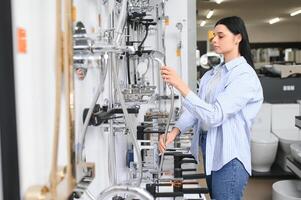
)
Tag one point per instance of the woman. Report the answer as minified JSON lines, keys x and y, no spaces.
{"x":230,"y":96}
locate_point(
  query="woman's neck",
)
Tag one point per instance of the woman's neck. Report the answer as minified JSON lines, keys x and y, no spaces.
{"x":231,"y":55}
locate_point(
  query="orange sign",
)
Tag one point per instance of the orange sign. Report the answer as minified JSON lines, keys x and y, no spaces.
{"x":166,"y":21}
{"x":22,"y":40}
{"x":178,"y":52}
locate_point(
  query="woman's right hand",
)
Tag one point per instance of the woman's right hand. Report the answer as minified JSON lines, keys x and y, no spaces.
{"x":171,"y":136}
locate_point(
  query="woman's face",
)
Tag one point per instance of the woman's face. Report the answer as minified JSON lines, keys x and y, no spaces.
{"x":224,"y":41}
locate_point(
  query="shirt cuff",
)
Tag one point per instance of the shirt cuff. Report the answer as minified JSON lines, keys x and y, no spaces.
{"x":180,"y":126}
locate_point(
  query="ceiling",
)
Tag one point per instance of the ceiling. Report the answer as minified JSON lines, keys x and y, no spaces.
{"x":253,"y":12}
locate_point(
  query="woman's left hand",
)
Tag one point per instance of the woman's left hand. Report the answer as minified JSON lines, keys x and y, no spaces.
{"x":171,"y":77}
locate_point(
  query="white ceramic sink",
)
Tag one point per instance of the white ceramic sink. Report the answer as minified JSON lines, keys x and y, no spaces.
{"x":288,"y":137}
{"x":287,"y":190}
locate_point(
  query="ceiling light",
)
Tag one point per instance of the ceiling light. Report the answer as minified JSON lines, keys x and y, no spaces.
{"x":296,"y":12}
{"x":203,"y":23}
{"x":218,"y":1}
{"x":210,"y":13}
{"x":274,"y":20}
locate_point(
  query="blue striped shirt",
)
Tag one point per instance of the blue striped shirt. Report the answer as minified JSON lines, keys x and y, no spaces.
{"x":236,"y":101}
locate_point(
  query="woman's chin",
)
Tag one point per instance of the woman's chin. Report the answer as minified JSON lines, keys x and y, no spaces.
{"x":218,"y":51}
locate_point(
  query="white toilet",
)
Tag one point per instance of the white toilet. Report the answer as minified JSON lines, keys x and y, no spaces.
{"x":283,"y":126}
{"x":263,"y":143}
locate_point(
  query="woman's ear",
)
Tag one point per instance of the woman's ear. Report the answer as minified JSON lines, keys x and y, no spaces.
{"x":238,"y":38}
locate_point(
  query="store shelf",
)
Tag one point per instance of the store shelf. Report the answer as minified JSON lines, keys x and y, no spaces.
{"x":276,"y":171}
{"x":294,"y":166}
{"x":298,"y":121}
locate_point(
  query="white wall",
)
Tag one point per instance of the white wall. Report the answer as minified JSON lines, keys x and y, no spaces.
{"x":188,"y":19}
{"x":34,"y":81}
{"x":280,"y":32}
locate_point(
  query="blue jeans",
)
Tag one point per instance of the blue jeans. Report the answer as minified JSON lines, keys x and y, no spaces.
{"x":229,"y":182}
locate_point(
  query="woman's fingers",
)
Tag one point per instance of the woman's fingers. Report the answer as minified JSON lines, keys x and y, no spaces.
{"x":162,"y":146}
{"x":169,"y":140}
{"x":166,"y":76}
{"x":166,"y":70}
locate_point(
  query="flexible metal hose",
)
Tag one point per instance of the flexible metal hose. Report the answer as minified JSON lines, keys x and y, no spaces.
{"x":167,"y":127}
{"x":169,"y":118}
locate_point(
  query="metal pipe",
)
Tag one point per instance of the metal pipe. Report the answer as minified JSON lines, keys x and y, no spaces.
{"x":92,"y":105}
{"x":179,"y":26}
{"x":117,"y":37}
{"x":121,"y":22}
{"x":116,"y":189}
{"x":153,"y":70}
{"x":112,"y":148}
{"x":148,"y":65}
{"x":169,"y":118}
{"x":90,"y":195}
{"x":158,"y":54}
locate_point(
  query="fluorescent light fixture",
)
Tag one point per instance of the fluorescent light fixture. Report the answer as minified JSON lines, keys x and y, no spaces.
{"x":297,"y":12}
{"x":203,"y":23}
{"x":274,"y":20}
{"x":218,"y":1}
{"x":210,"y":13}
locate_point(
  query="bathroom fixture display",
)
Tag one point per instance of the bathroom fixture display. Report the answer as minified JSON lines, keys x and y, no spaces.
{"x":264,"y":144}
{"x":112,"y":101}
{"x":285,"y":130}
{"x":286,"y":189}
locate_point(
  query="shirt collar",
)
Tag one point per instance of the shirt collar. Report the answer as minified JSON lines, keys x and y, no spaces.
{"x":235,"y":62}
{"x":217,"y":67}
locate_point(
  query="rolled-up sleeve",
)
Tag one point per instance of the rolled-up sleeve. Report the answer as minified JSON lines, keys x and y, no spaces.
{"x":235,"y":96}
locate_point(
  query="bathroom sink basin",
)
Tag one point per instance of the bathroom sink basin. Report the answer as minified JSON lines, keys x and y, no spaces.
{"x":288,"y":137}
{"x":296,"y":151}
{"x":287,"y":190}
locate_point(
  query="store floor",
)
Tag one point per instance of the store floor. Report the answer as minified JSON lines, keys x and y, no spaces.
{"x":256,"y":189}
{"x":259,"y":188}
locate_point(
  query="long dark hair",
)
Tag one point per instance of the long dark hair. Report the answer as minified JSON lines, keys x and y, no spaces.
{"x":237,"y":26}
